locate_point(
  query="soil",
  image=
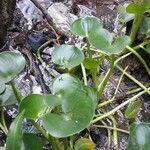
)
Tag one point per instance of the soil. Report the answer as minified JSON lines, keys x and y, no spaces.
{"x":35,"y":77}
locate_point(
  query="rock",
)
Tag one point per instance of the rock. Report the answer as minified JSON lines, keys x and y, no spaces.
{"x":61,"y":17}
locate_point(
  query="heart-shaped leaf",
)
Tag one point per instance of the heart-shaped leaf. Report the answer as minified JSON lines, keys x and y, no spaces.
{"x":65,"y":82}
{"x":138,"y":8}
{"x":7,"y":97}
{"x":100,"y":38}
{"x":118,"y":46}
{"x":33,"y":106}
{"x":11,"y":63}
{"x":67,"y":56}
{"x":14,"y":137}
{"x":31,"y":142}
{"x":84,"y":144}
{"x":132,"y":109}
{"x":83,"y":26}
{"x":77,"y":112}
{"x":139,"y":136}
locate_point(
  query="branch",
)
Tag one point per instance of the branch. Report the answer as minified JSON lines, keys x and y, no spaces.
{"x":47,"y":16}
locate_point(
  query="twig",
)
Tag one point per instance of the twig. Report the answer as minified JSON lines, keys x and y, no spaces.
{"x":48,"y":18}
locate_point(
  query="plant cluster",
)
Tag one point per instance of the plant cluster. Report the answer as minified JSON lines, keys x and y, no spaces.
{"x":73,"y":105}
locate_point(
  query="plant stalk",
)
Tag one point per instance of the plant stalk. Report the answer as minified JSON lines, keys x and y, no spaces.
{"x":103,"y":84}
{"x":120,"y":106}
{"x":53,"y":141}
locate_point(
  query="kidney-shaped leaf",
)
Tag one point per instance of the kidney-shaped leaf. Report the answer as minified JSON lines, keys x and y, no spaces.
{"x":65,"y":82}
{"x":100,"y":38}
{"x":7,"y":97}
{"x":14,"y":137}
{"x":84,"y":144}
{"x":77,"y":112}
{"x":139,"y":136}
{"x":83,"y":26}
{"x":33,"y":106}
{"x":11,"y":63}
{"x":67,"y":56}
{"x":118,"y":46}
{"x":31,"y":142}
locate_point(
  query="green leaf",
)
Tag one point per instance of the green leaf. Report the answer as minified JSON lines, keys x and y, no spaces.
{"x":147,"y":48}
{"x":118,"y":46}
{"x":31,"y":142}
{"x":124,"y":17}
{"x":139,"y":138}
{"x":84,"y":144}
{"x":138,"y":8}
{"x":90,"y":63}
{"x":132,"y":109}
{"x":83,"y":26}
{"x":100,"y":38}
{"x":11,"y":63}
{"x":76,"y":114}
{"x":33,"y":106}
{"x":7,"y":97}
{"x":145,"y":26}
{"x":65,"y":82}
{"x":2,"y":87}
{"x":14,"y":137}
{"x":67,"y":56}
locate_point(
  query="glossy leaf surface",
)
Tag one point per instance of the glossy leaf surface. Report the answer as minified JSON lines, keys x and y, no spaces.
{"x":100,"y":38}
{"x":138,"y":8}
{"x":2,"y":87}
{"x":67,"y":56}
{"x":11,"y":63}
{"x":7,"y":97}
{"x":90,"y":63}
{"x":33,"y":106}
{"x":14,"y":137}
{"x":83,"y":26}
{"x":148,"y":48}
{"x":139,"y":136}
{"x":65,"y":82}
{"x":84,"y":144}
{"x":124,"y":17}
{"x":31,"y":142}
{"x":77,"y":112}
{"x":132,"y":109}
{"x":118,"y":46}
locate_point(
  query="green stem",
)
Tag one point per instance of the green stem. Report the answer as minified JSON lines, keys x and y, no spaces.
{"x":117,"y":88}
{"x":140,"y":58}
{"x":112,"y":128}
{"x":109,"y":134}
{"x":135,"y":26}
{"x":84,"y":74}
{"x":102,"y":85}
{"x":120,"y":106}
{"x":15,"y":92}
{"x":133,"y":79}
{"x":3,"y":129}
{"x":53,"y":141}
{"x":115,"y":134}
{"x":88,"y":48}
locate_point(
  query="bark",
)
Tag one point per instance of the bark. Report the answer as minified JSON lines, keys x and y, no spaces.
{"x":7,"y":8}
